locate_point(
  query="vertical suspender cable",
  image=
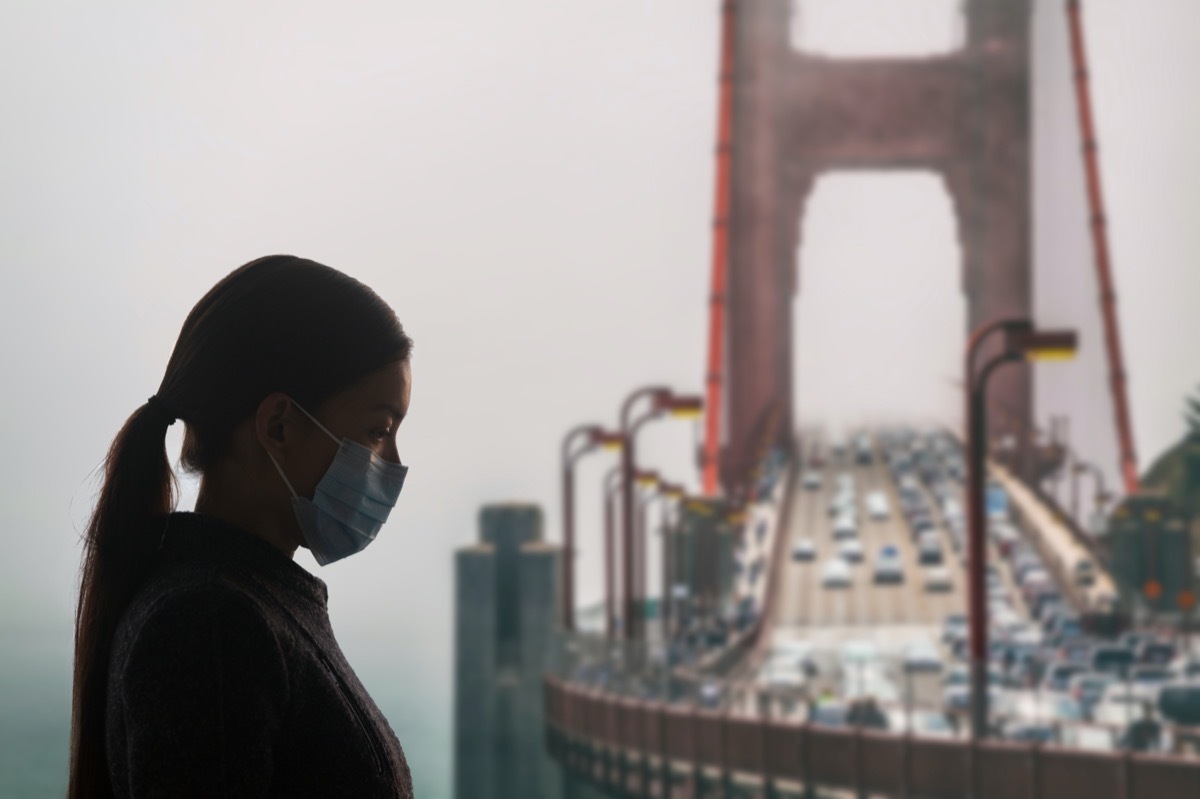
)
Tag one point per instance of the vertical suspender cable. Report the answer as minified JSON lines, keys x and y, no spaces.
{"x":714,"y":381}
{"x":1108,"y":294}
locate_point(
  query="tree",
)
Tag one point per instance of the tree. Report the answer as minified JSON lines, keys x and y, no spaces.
{"x":1192,"y":415}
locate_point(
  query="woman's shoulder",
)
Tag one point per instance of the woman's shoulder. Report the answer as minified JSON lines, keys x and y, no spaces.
{"x":195,"y":614}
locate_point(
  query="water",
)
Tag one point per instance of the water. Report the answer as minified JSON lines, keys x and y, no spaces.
{"x":35,"y":712}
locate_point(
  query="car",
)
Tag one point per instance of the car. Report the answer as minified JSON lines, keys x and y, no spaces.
{"x":812,"y":480}
{"x":1148,"y":678}
{"x":1077,"y":649}
{"x":859,"y":654}
{"x":954,"y":626}
{"x":877,"y":506}
{"x":1030,"y":732}
{"x":781,"y":674}
{"x":957,"y":699}
{"x":851,"y":550}
{"x":1179,"y":702}
{"x":1097,"y":737}
{"x":938,"y":578}
{"x":1088,"y":687}
{"x":921,"y":656}
{"x":889,"y":568}
{"x":920,"y":722}
{"x":1152,"y":651}
{"x":920,"y":523}
{"x":844,"y":526}
{"x":804,"y":549}
{"x":1084,"y":572}
{"x":1058,"y":675}
{"x":828,"y":714}
{"x":929,"y":548}
{"x":1186,"y":668}
{"x":1109,"y":659}
{"x":835,"y":573}
{"x":1119,"y":705}
{"x":709,"y":694}
{"x":843,"y":504}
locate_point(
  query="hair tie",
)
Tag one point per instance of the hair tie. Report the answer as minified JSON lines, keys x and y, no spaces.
{"x":161,"y":410}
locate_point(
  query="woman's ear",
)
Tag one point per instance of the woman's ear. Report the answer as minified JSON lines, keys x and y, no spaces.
{"x":274,"y":425}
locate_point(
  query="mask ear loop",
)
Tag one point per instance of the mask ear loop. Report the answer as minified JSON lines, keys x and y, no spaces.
{"x":279,"y":469}
{"x":318,"y":424}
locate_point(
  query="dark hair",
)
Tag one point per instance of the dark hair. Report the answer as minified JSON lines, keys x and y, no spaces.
{"x":279,"y":323}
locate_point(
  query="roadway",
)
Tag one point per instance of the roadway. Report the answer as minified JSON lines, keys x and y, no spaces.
{"x":805,"y":604}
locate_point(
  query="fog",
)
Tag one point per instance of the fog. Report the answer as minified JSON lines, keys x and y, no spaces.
{"x":529,"y":184}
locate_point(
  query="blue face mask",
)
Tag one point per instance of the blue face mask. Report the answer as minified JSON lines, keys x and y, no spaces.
{"x":350,"y":503}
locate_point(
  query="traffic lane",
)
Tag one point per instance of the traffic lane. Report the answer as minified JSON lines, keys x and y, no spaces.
{"x":797,"y":599}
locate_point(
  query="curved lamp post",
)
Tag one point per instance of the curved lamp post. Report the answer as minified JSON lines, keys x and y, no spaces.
{"x":661,"y":401}
{"x":1021,"y":342}
{"x":578,"y":442}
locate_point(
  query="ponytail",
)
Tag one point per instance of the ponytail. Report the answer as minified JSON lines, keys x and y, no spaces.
{"x":278,"y":323}
{"x":119,"y":548}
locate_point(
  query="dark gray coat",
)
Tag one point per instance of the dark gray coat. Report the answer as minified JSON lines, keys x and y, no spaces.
{"x":226,"y":681}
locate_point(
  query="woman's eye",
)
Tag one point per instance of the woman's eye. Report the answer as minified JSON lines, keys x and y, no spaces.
{"x":379,"y":435}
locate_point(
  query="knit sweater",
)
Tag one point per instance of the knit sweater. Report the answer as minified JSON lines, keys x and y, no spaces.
{"x":226,"y":681}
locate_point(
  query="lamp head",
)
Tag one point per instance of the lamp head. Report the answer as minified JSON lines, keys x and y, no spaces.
{"x":1043,"y":345}
{"x":686,"y":407}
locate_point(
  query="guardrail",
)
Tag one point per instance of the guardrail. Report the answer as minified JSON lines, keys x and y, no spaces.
{"x":653,"y":749}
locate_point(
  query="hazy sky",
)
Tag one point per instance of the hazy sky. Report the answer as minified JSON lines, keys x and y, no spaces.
{"x":529,"y":184}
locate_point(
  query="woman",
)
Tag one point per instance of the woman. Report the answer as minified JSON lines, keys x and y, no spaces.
{"x":204,"y":660}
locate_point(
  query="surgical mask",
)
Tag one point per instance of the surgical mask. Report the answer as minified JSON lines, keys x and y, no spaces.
{"x":350,"y":503}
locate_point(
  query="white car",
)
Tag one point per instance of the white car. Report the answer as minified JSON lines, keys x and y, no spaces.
{"x":922,"y":656}
{"x":812,"y":480}
{"x":938,"y":579}
{"x":877,"y":506}
{"x":835,"y":574}
{"x":851,"y":550}
{"x":844,"y":526}
{"x":804,"y":549}
{"x":842,"y":503}
{"x":781,"y":673}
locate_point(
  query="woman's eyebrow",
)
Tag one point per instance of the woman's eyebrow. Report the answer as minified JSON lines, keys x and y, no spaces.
{"x":394,"y":410}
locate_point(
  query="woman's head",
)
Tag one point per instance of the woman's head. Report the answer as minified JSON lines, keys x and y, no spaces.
{"x":279,"y":324}
{"x":277,"y":337}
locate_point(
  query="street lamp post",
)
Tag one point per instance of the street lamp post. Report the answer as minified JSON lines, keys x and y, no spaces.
{"x":662,"y":400}
{"x":649,"y":481}
{"x":592,"y":436}
{"x":610,"y":520}
{"x":675,"y":492}
{"x":1021,"y":342}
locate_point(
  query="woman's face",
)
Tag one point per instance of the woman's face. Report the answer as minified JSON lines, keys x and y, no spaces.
{"x":368,"y":413}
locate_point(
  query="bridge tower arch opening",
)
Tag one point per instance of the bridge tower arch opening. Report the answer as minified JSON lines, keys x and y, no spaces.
{"x":878,"y":312}
{"x":963,"y":114}
{"x":877,"y":28}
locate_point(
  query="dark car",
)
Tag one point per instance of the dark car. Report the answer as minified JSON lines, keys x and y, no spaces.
{"x":1112,"y":659}
{"x":1155,"y":652}
{"x":1179,"y":702}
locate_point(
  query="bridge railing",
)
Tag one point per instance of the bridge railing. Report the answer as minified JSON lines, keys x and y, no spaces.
{"x":639,"y":747}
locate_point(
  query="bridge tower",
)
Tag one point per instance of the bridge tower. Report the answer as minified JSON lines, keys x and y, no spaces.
{"x":964,"y":115}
